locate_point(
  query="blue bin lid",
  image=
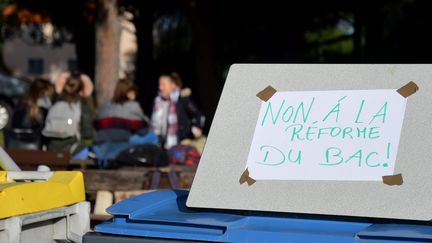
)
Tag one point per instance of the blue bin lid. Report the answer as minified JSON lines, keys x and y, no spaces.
{"x":163,"y":214}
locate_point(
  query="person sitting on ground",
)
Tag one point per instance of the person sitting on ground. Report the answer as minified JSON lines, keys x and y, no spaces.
{"x":69,"y":120}
{"x":29,"y":116}
{"x":123,"y":111}
{"x":175,"y":116}
{"x":121,"y":125}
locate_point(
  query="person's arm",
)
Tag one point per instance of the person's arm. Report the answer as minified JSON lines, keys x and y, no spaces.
{"x":154,"y":120}
{"x":138,"y":112}
{"x":197,"y":118}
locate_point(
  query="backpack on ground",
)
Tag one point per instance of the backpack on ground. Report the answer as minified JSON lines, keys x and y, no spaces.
{"x":63,"y":120}
{"x":143,"y":155}
{"x":184,"y":155}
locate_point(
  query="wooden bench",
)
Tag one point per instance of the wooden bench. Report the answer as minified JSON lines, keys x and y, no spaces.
{"x":31,"y":159}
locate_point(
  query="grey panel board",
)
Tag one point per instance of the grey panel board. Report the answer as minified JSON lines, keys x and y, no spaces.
{"x":216,"y":183}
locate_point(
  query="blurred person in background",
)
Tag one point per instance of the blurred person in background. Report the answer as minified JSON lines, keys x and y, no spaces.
{"x":60,"y":82}
{"x":86,"y":97}
{"x":175,"y":116}
{"x":123,"y":111}
{"x":29,"y":116}
{"x":70,"y":120}
{"x":121,"y":124}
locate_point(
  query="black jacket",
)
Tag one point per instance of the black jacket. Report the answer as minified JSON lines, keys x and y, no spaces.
{"x":188,"y":115}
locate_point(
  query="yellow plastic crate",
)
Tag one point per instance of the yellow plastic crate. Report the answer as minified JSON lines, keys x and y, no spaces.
{"x":31,"y":192}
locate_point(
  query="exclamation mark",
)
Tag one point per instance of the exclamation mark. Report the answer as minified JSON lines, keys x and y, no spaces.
{"x":388,"y":154}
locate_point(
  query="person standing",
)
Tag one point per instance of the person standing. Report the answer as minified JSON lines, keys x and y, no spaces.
{"x":175,"y":116}
{"x":69,"y":120}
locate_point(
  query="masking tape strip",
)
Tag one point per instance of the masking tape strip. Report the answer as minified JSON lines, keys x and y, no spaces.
{"x":266,"y":93}
{"x":245,"y":178}
{"x":408,"y":89}
{"x":392,"y":180}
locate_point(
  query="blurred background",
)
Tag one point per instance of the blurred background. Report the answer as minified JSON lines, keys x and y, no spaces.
{"x":200,"y":39}
{"x":139,"y":40}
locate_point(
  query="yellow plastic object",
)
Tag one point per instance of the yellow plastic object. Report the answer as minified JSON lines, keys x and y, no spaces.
{"x":60,"y":189}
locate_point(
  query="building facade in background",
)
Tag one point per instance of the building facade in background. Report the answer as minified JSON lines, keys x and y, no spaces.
{"x":28,"y":58}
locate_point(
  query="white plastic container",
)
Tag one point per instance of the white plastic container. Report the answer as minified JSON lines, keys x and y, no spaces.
{"x":67,"y":224}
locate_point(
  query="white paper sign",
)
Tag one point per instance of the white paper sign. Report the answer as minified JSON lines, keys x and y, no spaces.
{"x":350,"y":135}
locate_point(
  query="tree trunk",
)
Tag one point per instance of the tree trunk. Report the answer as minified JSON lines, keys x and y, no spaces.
{"x":107,"y":50}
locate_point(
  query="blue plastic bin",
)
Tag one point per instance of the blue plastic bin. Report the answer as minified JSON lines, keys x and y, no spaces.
{"x":162,"y":216}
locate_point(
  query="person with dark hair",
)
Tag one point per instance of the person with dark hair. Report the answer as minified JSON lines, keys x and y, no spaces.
{"x":60,"y":82}
{"x":71,"y":90}
{"x":121,"y":125}
{"x":69,"y":120}
{"x":175,"y":116}
{"x":29,"y":117}
{"x":123,"y":111}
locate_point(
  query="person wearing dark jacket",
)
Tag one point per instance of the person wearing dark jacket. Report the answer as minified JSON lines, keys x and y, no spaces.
{"x":175,"y":116}
{"x":29,"y":117}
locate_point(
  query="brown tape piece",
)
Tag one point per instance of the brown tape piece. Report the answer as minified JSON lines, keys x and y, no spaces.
{"x":408,"y":89}
{"x":392,"y":180}
{"x":245,"y":178}
{"x":266,"y":93}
